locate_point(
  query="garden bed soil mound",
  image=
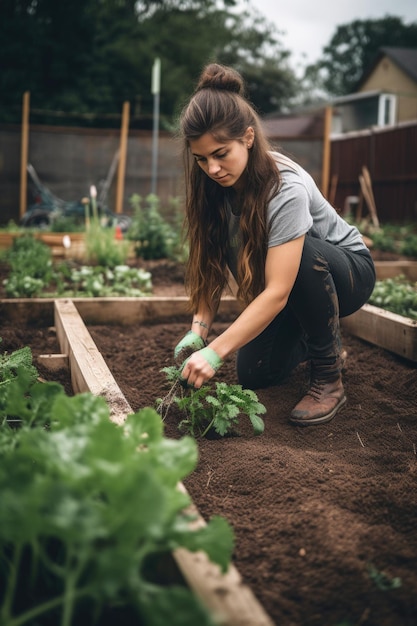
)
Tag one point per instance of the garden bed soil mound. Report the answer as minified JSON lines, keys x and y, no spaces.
{"x":324,"y":516}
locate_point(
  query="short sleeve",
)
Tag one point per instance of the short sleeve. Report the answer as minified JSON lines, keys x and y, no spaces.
{"x":289,"y":211}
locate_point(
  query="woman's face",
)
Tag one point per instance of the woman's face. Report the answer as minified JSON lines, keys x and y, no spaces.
{"x":223,"y":162}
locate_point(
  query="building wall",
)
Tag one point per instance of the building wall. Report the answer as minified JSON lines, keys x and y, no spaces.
{"x":388,"y":77}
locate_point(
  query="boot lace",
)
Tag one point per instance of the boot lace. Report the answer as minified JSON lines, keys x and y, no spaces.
{"x":316,"y":390}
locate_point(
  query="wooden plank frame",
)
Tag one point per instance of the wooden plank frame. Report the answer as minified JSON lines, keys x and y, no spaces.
{"x":38,"y":312}
{"x":391,"y":269}
{"x":387,"y":330}
{"x":229,"y":601}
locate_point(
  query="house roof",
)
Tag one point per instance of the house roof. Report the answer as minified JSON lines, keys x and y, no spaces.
{"x":405,"y":58}
{"x":308,"y":124}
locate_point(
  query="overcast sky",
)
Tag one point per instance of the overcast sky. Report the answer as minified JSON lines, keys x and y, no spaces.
{"x":309,"y":25}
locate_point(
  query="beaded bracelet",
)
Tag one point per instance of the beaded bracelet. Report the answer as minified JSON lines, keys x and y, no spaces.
{"x":203,"y":324}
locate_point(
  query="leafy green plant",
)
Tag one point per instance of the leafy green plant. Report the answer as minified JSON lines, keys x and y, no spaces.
{"x":395,"y":238}
{"x":89,"y":508}
{"x":207,"y":409}
{"x":102,"y":246}
{"x":10,"y":227}
{"x":153,"y":237}
{"x":408,"y":246}
{"x":67,"y":224}
{"x":31,"y":268}
{"x":397,"y":295}
{"x":9,"y":367}
{"x":33,"y":274}
{"x":92,"y":281}
{"x":383,"y":240}
{"x":383,"y":581}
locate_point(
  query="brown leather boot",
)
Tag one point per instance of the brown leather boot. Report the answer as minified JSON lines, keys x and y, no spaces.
{"x":320,"y":404}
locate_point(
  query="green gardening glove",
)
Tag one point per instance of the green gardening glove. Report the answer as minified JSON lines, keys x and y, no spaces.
{"x":188,"y":344}
{"x":210,"y":356}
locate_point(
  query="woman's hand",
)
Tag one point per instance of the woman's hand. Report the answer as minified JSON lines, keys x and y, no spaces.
{"x":200,"y":367}
{"x":188,"y":344}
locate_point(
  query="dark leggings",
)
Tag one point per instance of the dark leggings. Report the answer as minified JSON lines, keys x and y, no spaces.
{"x":332,"y":282}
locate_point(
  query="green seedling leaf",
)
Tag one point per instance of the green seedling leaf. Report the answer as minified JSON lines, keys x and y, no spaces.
{"x":188,"y":610}
{"x":382,"y":580}
{"x":216,"y":539}
{"x":218,"y":409}
{"x":257,"y":423}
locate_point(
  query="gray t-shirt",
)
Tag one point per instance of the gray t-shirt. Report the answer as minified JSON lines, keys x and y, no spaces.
{"x":297,"y":209}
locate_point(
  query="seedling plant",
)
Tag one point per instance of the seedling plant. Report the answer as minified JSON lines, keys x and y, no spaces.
{"x":211,"y":409}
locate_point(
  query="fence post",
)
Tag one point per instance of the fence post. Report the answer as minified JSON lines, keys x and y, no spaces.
{"x":325,"y":175}
{"x":122,"y":161}
{"x":24,"y":154}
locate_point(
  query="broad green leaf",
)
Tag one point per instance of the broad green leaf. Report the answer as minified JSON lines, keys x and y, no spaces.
{"x":216,"y":539}
{"x":257,"y":423}
{"x":175,"y":606}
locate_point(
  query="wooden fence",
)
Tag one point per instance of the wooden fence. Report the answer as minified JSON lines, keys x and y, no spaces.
{"x":390,"y":155}
{"x":70,"y":160}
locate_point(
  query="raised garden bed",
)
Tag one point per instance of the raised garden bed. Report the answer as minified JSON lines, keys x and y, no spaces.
{"x":68,"y":245}
{"x":324,"y":517}
{"x":383,"y":328}
{"x":391,"y":269}
{"x":388,"y":330}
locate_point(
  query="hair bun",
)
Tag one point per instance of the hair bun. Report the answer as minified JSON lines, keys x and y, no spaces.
{"x":215,"y":76}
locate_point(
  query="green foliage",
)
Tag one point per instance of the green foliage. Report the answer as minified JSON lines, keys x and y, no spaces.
{"x":95,"y":281}
{"x":408,"y":246}
{"x":102,"y":246}
{"x":208,"y":408}
{"x":383,"y":581}
{"x":245,"y":40}
{"x":117,"y":43}
{"x":396,"y":295}
{"x":65,"y":224}
{"x":31,"y":267}
{"x":396,"y":238}
{"x":384,"y":241}
{"x":88,"y":507}
{"x":354,"y":47}
{"x":154,"y":238}
{"x":32,"y":273}
{"x":10,"y":227}
{"x":10,"y":365}
{"x":400,"y":239}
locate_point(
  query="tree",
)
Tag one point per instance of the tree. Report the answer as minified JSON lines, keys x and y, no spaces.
{"x":353,"y":48}
{"x":256,"y":51}
{"x":82,"y":59}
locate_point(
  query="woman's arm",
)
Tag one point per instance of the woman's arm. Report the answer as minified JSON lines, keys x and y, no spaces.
{"x":281,"y":268}
{"x":202,"y":320}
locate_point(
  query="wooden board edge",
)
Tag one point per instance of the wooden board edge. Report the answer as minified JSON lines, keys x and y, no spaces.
{"x":89,"y":371}
{"x":387,"y":330}
{"x":54,"y":362}
{"x":392,"y":269}
{"x":38,"y":312}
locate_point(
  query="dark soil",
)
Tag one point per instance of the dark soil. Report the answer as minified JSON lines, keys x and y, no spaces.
{"x":325,"y":517}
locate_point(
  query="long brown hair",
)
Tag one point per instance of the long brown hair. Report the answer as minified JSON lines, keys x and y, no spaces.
{"x":219,"y":107}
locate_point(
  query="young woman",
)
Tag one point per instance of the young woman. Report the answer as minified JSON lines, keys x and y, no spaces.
{"x":298,"y":265}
